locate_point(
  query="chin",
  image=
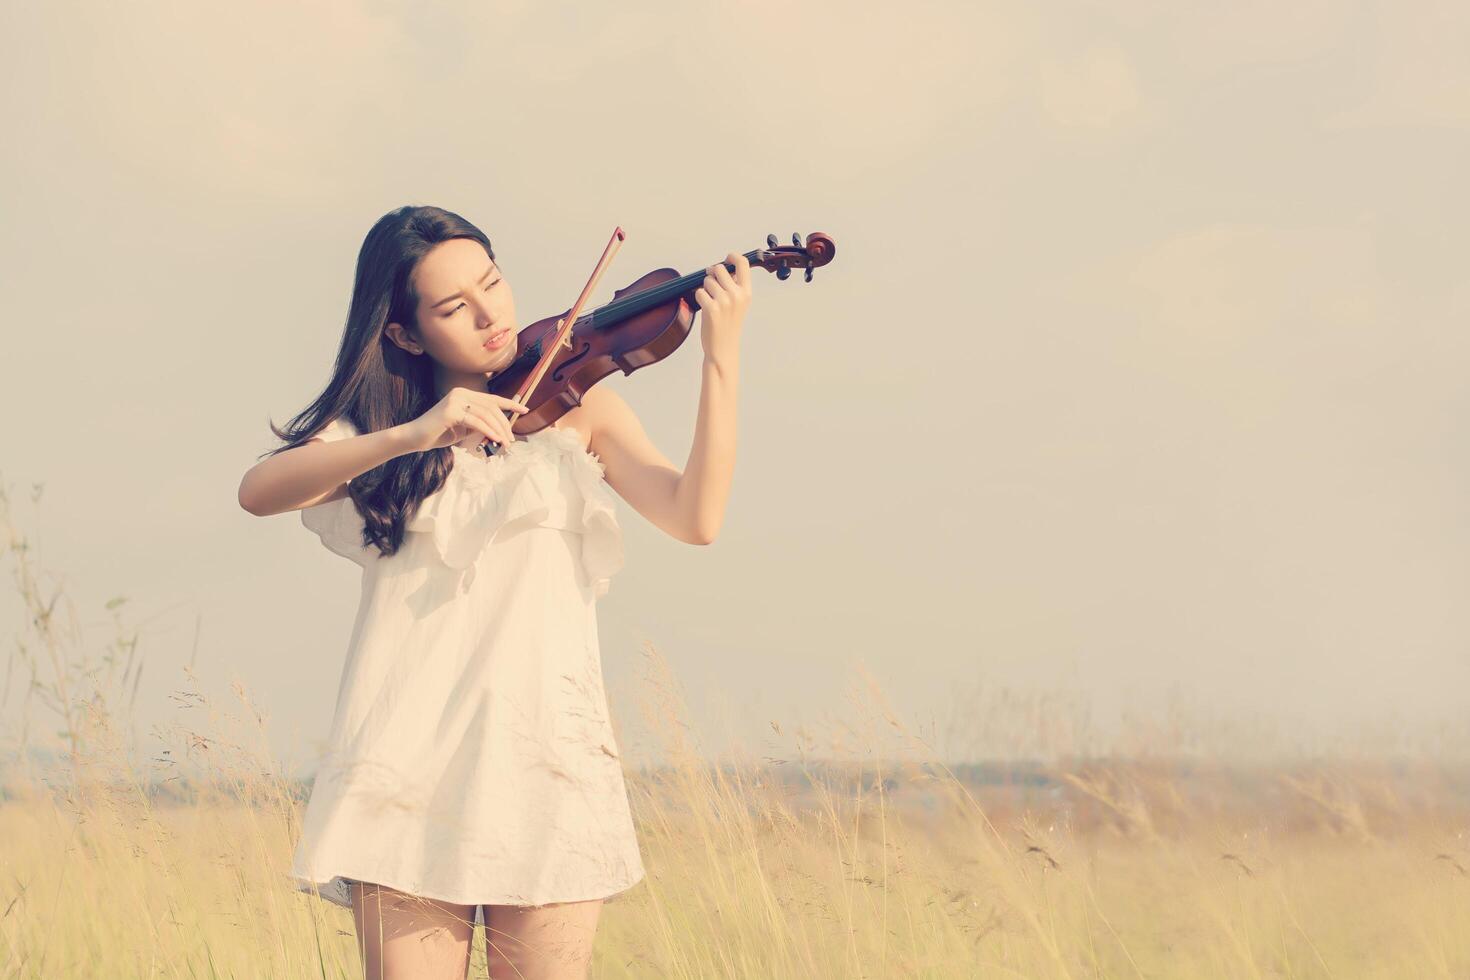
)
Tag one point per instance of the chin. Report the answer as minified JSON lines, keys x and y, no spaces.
{"x":501,"y":359}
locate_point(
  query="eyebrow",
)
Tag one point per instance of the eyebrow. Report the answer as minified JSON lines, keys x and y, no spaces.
{"x":434,"y":306}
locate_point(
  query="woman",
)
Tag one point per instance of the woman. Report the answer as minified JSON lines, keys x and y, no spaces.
{"x":471,"y":772}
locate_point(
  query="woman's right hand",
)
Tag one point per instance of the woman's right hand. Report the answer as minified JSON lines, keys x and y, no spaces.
{"x":448,"y":422}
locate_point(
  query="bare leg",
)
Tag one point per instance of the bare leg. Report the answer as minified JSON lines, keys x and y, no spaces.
{"x":405,"y":937}
{"x":540,"y":942}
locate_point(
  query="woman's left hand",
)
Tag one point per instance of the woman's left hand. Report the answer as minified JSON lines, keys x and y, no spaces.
{"x":723,"y":300}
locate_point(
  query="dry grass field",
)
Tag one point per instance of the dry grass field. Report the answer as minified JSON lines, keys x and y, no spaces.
{"x":827,"y":861}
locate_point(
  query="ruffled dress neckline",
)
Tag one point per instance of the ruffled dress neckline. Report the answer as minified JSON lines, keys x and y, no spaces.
{"x":547,"y":479}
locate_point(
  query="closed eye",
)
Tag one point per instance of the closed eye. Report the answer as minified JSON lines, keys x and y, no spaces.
{"x":461,"y":306}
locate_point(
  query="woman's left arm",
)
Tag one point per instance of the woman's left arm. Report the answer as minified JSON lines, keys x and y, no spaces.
{"x":689,"y":506}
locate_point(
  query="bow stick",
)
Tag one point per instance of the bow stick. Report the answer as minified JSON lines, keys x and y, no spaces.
{"x":563,"y":331}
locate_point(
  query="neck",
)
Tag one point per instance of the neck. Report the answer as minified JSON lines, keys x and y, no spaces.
{"x":473,"y":380}
{"x":447,"y":378}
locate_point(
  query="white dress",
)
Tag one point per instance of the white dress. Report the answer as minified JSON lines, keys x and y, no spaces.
{"x":471,"y":756}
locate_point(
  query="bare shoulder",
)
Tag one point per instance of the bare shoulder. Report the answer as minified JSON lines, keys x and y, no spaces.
{"x":604,"y":412}
{"x":617,"y":434}
{"x":632,"y":465}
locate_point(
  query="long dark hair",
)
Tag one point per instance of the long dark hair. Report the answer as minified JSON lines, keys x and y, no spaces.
{"x":376,"y":384}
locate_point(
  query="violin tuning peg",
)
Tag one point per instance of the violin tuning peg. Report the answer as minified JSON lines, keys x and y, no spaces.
{"x":783,"y":273}
{"x":808,"y":272}
{"x":796,"y":238}
{"x":771,"y":240}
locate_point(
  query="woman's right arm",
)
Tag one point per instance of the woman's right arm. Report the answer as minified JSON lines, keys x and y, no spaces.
{"x":317,"y":471}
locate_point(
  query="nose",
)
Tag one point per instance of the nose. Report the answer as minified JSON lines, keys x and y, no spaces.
{"x":483,"y":316}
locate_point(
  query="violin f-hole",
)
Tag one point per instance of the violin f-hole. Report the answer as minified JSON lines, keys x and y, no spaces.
{"x":557,"y":374}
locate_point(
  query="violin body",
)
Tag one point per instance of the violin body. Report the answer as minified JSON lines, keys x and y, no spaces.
{"x":599,"y":346}
{"x":644,"y":323}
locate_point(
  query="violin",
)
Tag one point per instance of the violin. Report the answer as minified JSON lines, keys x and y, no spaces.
{"x":644,"y":323}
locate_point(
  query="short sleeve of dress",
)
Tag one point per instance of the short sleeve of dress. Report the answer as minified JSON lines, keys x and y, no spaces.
{"x":337,"y":522}
{"x":338,"y":428}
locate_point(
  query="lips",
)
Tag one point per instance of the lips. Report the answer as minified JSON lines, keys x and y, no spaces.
{"x":497,"y":340}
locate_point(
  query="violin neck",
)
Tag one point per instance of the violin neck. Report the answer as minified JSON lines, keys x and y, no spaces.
{"x":630,"y":306}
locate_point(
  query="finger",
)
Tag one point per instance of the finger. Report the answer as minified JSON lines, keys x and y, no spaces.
{"x":742,"y":269}
{"x":511,"y":403}
{"x":712,"y":285}
{"x":498,"y":404}
{"x":499,"y":424}
{"x":706,"y":301}
{"x":723,"y":275}
{"x":502,"y":424}
{"x":477,"y":423}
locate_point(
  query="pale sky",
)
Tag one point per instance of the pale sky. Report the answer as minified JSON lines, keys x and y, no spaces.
{"x":1137,"y":380}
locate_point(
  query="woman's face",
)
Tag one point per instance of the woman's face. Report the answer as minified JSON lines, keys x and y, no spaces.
{"x":464,"y":301}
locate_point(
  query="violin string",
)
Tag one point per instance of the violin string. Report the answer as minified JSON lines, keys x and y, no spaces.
{"x":620,"y":309}
{"x":629,"y":306}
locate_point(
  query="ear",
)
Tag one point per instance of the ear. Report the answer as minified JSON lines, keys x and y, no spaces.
{"x":399,"y":334}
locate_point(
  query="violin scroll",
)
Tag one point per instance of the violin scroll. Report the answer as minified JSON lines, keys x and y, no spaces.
{"x":781,"y":259}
